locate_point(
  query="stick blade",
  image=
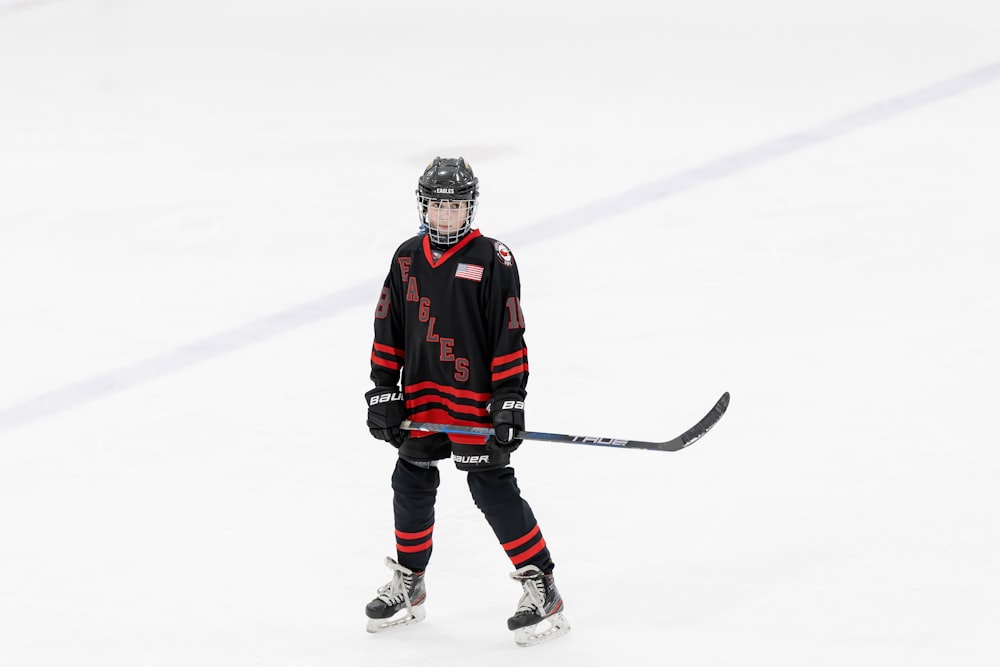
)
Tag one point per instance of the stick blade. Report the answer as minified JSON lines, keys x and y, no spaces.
{"x":693,"y":434}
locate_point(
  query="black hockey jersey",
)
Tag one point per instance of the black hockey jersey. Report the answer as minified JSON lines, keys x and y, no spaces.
{"x":451,"y":328}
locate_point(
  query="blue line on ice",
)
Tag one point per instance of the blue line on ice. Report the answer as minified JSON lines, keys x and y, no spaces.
{"x":217,"y":345}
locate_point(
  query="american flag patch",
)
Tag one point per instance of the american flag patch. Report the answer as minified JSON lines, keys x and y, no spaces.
{"x":469,"y":272}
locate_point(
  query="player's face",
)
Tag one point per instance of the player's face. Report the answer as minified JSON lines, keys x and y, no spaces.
{"x":446,"y":217}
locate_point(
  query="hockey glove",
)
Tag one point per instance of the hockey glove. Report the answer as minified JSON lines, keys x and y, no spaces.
{"x":508,"y":419}
{"x":386,"y":411}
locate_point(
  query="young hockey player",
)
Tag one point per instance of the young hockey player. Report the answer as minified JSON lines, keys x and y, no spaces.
{"x":449,"y":326}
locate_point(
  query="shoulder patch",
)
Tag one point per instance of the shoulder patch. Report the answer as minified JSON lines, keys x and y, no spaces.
{"x":504,"y":253}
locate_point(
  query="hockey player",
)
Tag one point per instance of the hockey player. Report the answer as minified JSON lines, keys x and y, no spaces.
{"x":449,"y":327}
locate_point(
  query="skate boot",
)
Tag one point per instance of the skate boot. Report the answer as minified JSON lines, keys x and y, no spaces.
{"x":399,"y":602}
{"x":539,"y":613}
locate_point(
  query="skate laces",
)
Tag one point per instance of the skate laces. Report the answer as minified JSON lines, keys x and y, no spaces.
{"x":398,"y":588}
{"x":533,"y":583}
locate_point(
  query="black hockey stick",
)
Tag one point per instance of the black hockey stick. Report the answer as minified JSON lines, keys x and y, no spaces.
{"x":685,"y":439}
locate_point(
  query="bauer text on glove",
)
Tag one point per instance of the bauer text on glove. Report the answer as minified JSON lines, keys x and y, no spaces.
{"x":386,"y":411}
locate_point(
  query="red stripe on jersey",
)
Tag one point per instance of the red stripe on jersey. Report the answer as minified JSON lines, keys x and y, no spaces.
{"x":390,"y":350}
{"x":507,"y":358}
{"x":391,"y":365}
{"x":445,"y":389}
{"x":396,"y":356}
{"x":474,"y":410}
{"x":460,"y":439}
{"x":440,"y":416}
{"x":523,"y":368}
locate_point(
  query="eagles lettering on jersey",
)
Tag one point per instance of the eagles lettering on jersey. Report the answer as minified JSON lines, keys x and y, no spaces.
{"x":450,"y":326}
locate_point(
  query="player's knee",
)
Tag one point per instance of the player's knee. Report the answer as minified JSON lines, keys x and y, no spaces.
{"x":493,"y":487}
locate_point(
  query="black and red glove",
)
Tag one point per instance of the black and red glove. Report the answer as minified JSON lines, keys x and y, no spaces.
{"x":508,"y":421}
{"x":386,"y":411}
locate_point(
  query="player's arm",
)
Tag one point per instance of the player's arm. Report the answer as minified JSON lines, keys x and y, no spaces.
{"x":509,"y":367}
{"x":388,"y":348}
{"x":386,"y":405}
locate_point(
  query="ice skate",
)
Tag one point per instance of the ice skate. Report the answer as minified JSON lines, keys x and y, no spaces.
{"x":539,"y":615}
{"x":400,"y":602}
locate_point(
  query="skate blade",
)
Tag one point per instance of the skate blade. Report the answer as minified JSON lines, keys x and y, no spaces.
{"x":545,"y":630}
{"x":404,"y":617}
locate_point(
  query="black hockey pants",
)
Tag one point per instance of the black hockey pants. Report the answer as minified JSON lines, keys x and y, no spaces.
{"x":495,"y":493}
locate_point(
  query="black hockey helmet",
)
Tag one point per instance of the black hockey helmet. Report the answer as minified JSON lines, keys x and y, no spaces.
{"x":447,"y":180}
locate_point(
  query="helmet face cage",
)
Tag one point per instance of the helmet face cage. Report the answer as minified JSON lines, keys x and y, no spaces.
{"x":445,"y":221}
{"x":447,"y":195}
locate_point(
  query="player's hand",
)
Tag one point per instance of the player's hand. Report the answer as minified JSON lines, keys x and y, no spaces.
{"x":386,"y":411}
{"x":508,"y":421}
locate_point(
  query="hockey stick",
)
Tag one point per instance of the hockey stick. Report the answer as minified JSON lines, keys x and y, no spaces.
{"x":685,"y":439}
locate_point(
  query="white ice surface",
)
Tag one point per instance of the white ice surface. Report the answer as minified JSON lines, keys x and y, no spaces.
{"x":797,"y":204}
